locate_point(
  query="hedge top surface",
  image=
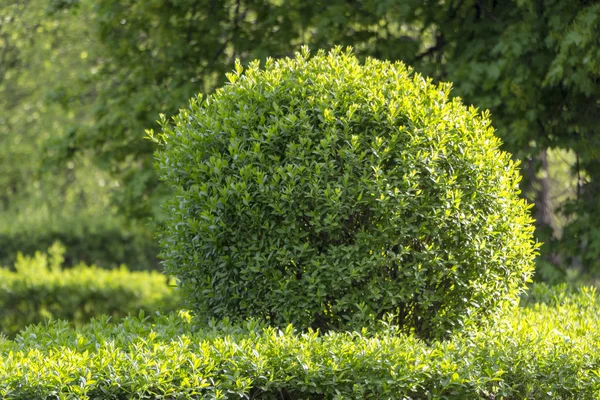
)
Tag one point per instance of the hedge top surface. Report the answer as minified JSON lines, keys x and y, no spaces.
{"x":540,"y":352}
{"x":40,"y":288}
{"x":328,"y":193}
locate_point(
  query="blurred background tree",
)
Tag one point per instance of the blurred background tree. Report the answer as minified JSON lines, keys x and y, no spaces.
{"x":45,"y":60}
{"x":81,"y":80}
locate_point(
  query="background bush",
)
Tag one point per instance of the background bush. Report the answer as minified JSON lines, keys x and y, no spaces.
{"x":327,"y":193}
{"x":538,"y":352}
{"x":40,"y":290}
{"x":106,"y":242}
{"x":74,"y":209}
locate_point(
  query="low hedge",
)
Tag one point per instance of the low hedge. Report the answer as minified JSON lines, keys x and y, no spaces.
{"x":537,"y":352}
{"x":99,"y":241}
{"x":39,"y":289}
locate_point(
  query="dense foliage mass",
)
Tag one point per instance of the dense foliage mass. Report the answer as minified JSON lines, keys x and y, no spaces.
{"x":102,"y":240}
{"x":39,"y":290}
{"x":327,"y":193}
{"x":539,"y":352}
{"x":44,"y":52}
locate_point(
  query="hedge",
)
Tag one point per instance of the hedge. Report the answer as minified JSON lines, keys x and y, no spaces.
{"x":538,"y":352}
{"x":99,"y":241}
{"x":39,"y":289}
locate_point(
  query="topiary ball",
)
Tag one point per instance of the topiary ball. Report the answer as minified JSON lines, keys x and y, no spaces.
{"x":327,"y":193}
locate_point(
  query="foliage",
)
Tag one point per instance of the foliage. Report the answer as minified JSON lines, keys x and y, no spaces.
{"x":76,"y":211}
{"x":83,"y":75}
{"x":44,"y":51}
{"x":327,"y":193}
{"x":536,"y":352}
{"x":34,"y":81}
{"x":151,"y":58}
{"x":40,"y":290}
{"x":536,"y":66}
{"x":104,"y":240}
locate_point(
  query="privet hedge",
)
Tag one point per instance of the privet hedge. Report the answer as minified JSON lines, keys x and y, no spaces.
{"x":327,"y":193}
{"x":39,"y":290}
{"x":540,"y":352}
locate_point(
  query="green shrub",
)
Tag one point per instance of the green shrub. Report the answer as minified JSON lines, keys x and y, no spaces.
{"x":40,"y":290}
{"x":326,"y":193}
{"x":72,"y":205}
{"x":102,"y":240}
{"x":539,"y":352}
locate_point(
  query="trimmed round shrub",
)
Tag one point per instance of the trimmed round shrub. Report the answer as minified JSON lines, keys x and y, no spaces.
{"x":327,"y":193}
